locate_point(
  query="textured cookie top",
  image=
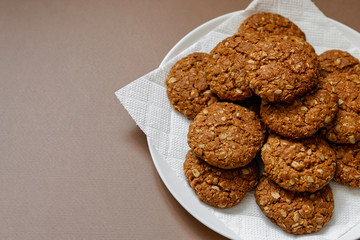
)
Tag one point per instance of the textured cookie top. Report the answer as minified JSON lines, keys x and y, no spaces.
{"x":226,"y":135}
{"x":296,"y":213}
{"x":337,"y":61}
{"x":299,"y":165}
{"x":219,"y":187}
{"x":345,"y":128}
{"x":226,"y":75}
{"x":347,"y":164}
{"x":267,"y":24}
{"x":303,"y":117}
{"x":346,"y":87}
{"x":279,"y":69}
{"x":346,"y":125}
{"x":187,"y":87}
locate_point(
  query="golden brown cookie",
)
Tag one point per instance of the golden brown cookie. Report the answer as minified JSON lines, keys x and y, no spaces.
{"x":187,"y":87}
{"x":338,"y":61}
{"x":296,"y":213}
{"x":303,"y":117}
{"x":346,"y":125}
{"x":282,"y":68}
{"x":347,"y":164}
{"x":219,"y":187}
{"x":226,"y":135}
{"x":226,"y":75}
{"x":345,"y":128}
{"x":346,"y":87}
{"x":299,"y":165}
{"x":267,"y":24}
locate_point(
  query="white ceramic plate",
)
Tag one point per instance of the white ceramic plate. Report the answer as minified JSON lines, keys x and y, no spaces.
{"x":183,"y":193}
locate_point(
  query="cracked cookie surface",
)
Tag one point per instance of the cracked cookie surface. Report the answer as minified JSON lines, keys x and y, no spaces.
{"x":303,"y":117}
{"x":187,"y":87}
{"x":226,"y":74}
{"x":282,"y":68}
{"x":219,"y":187}
{"x":345,"y":128}
{"x":299,"y":165}
{"x":338,"y":61}
{"x":226,"y":135}
{"x":346,"y":87}
{"x":266,"y":24}
{"x":347,"y":164}
{"x":296,"y":213}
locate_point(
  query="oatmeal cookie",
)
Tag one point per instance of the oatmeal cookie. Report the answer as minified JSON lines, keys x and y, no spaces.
{"x":296,"y":213}
{"x":303,"y":117}
{"x":346,"y":125}
{"x":280,"y":69}
{"x":267,"y":24}
{"x":226,"y":135}
{"x":347,"y":164}
{"x":338,"y":61}
{"x":219,"y":187}
{"x":345,"y":128}
{"x":187,"y":87}
{"x":226,"y":75}
{"x":299,"y":165}
{"x":346,"y":87}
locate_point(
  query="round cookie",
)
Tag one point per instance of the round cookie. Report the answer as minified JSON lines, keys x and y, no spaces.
{"x":296,"y":213}
{"x":347,"y":164}
{"x":345,"y":128}
{"x":218,"y":187}
{"x":226,"y":75}
{"x":337,"y":61}
{"x":346,"y":87}
{"x":299,"y":165}
{"x":187,"y":87}
{"x":303,"y":117}
{"x":226,"y":135}
{"x":267,"y":24}
{"x":280,"y":69}
{"x":346,"y":125}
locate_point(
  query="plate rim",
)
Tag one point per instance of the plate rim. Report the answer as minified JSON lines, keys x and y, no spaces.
{"x":153,"y":152}
{"x":186,"y":41}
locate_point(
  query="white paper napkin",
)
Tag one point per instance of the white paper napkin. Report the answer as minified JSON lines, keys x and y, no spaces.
{"x":146,"y":101}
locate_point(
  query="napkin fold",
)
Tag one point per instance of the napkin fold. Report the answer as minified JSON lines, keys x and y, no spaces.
{"x":146,"y":101}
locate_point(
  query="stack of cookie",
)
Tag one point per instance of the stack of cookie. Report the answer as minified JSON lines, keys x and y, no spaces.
{"x":309,"y":108}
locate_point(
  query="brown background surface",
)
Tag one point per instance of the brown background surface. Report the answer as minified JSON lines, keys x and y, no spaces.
{"x":73,"y":163}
